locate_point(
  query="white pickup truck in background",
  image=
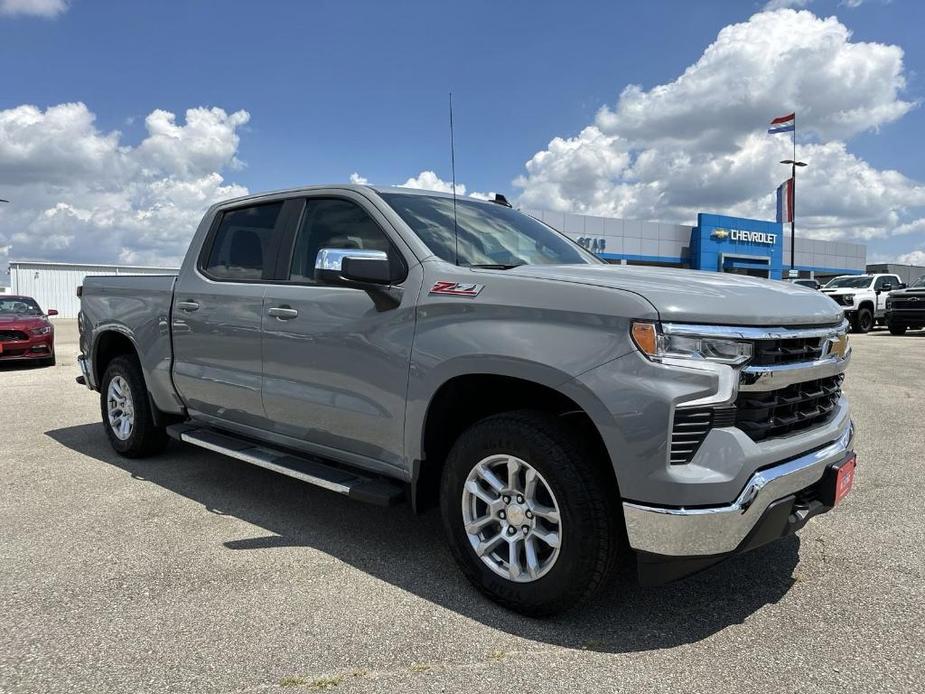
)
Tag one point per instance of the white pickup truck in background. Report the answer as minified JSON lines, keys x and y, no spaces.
{"x":862,"y":297}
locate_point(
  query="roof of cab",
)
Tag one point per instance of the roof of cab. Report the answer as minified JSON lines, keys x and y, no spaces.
{"x":359,"y":188}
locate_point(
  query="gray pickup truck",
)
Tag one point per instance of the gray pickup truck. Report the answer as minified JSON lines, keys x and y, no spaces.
{"x":566,"y":415}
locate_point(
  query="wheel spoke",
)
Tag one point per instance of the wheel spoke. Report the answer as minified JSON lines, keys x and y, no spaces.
{"x":550,"y":538}
{"x":476,"y":490}
{"x":491,"y":478}
{"x":547,"y":513}
{"x":489,"y":544}
{"x":513,"y":468}
{"x":474,"y":527}
{"x":530,"y":479}
{"x":533,"y":564}
{"x":513,"y":558}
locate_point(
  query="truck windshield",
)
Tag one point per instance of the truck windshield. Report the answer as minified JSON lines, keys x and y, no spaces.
{"x":919,"y":283}
{"x":20,"y":306}
{"x":849,"y":282}
{"x":490,"y":235}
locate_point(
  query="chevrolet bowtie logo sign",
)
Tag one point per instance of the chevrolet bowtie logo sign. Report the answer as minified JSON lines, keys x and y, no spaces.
{"x":719,"y":234}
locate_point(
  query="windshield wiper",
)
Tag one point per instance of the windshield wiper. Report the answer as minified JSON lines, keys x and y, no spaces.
{"x":495,"y":266}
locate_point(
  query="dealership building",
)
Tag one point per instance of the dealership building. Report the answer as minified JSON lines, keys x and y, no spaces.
{"x":718,"y":244}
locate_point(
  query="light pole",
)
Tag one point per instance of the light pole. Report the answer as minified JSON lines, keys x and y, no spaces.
{"x":793,"y":210}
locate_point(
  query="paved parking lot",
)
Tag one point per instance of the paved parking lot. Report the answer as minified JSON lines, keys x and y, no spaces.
{"x":190,"y":572}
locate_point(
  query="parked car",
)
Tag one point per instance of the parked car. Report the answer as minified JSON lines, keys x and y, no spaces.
{"x":809,"y":283}
{"x":565,"y":414}
{"x":905,"y":308}
{"x":862,"y":297}
{"x":26,"y":334}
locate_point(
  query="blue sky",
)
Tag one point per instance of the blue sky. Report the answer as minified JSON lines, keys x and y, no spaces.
{"x":333,"y":88}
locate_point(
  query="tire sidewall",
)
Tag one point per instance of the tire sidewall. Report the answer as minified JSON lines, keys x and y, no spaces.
{"x":142,"y":441}
{"x":566,"y":580}
{"x":861,"y":325}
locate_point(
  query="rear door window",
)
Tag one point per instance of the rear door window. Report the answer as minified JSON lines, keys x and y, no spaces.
{"x":245,"y":244}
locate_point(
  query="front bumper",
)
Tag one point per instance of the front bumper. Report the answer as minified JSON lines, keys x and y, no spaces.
{"x":720,"y":530}
{"x":36,"y":347}
{"x":906,"y":316}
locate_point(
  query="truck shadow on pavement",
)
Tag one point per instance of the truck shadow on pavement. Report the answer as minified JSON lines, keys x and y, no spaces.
{"x":408,"y":551}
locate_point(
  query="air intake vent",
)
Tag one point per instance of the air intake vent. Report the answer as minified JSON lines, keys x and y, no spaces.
{"x":690,"y":429}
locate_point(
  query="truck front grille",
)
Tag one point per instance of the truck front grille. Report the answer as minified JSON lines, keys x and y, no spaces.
{"x":786,"y":351}
{"x":909,"y":302}
{"x":12,"y":336}
{"x":763,"y":415}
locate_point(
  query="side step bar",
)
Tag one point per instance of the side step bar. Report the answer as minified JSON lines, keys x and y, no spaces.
{"x":354,"y":484}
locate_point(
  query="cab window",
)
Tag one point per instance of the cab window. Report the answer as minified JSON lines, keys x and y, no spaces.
{"x":335,"y":223}
{"x":244,"y":245}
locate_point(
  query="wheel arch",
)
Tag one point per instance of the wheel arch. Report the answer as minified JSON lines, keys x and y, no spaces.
{"x":464,"y":398}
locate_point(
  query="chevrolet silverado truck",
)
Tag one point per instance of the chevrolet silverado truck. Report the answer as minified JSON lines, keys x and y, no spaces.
{"x":567,"y":416}
{"x":862,"y":298}
{"x":905,"y":308}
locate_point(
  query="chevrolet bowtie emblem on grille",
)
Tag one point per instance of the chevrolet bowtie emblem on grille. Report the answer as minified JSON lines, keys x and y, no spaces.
{"x":719,"y":234}
{"x":456,"y":289}
{"x":914,"y":298}
{"x":836,"y":346}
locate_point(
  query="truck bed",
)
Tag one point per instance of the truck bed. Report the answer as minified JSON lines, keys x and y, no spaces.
{"x":137,"y":306}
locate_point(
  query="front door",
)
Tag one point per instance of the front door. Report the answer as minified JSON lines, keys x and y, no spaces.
{"x":217,"y":312}
{"x":336,"y":359}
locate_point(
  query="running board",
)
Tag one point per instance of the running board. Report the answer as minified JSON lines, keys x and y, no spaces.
{"x":349,"y":482}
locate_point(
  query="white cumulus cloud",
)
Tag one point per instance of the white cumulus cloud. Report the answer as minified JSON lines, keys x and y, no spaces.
{"x":36,"y":8}
{"x":699,"y":142}
{"x":428,"y":180}
{"x":81,"y":194}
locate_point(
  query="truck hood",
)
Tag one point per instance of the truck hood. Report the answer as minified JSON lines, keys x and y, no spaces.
{"x":693,"y":296}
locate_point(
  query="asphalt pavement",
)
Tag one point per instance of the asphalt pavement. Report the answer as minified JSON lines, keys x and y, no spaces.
{"x":190,"y":572}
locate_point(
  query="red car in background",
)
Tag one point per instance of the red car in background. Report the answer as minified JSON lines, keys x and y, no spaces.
{"x":26,"y":334}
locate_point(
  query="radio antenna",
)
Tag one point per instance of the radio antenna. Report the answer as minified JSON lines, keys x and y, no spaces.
{"x":453,"y":171}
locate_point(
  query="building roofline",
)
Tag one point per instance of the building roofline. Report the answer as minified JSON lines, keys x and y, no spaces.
{"x":93,"y":265}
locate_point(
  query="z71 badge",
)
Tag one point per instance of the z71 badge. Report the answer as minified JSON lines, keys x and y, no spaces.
{"x":456,"y":289}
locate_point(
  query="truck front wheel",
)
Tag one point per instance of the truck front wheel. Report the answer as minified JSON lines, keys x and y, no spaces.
{"x":530,"y":519}
{"x":126,"y":410}
{"x":863,"y":320}
{"x":897,"y":329}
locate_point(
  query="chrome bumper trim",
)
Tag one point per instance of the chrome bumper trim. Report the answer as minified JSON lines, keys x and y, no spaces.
{"x":774,"y":377}
{"x":720,"y":529}
{"x":85,"y":372}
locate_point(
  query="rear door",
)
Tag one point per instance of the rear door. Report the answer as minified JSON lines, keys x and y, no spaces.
{"x":335,"y":358}
{"x":217,"y":312}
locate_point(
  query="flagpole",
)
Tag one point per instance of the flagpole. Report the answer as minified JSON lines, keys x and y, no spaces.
{"x":793,"y":211}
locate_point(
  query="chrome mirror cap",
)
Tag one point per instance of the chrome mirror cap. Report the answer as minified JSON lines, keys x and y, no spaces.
{"x":333,"y":258}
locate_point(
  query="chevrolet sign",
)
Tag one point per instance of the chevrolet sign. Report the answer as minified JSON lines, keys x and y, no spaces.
{"x":747,"y":236}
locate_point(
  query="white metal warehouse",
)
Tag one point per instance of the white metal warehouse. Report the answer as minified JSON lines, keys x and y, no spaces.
{"x":54,"y":285}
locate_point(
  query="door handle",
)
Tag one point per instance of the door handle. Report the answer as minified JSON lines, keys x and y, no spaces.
{"x":188,"y":305}
{"x":283,"y":312}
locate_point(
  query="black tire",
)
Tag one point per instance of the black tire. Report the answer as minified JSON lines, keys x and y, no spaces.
{"x":863,"y":321}
{"x":898,"y":329}
{"x":591,"y":534}
{"x":146,"y":438}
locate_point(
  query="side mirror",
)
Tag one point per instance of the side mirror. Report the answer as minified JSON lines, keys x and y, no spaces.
{"x":901,"y":285}
{"x":352,"y":266}
{"x":51,"y":312}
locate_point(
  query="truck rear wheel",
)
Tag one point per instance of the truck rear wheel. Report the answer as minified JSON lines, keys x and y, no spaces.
{"x":126,"y":411}
{"x":531,"y":521}
{"x":898,"y":330}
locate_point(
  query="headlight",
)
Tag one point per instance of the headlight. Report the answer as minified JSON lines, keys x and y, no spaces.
{"x":44,"y":330}
{"x":658,"y":346}
{"x":849,"y":298}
